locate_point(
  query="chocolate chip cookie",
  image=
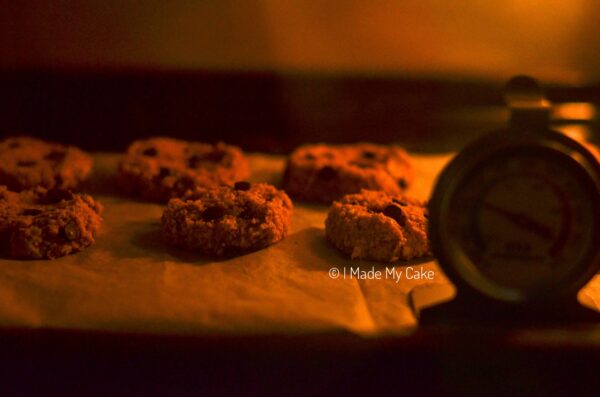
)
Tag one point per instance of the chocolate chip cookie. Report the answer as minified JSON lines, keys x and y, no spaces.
{"x":226,"y":220}
{"x":41,"y":223}
{"x":158,"y":169}
{"x":325,"y":173}
{"x":377,"y":226}
{"x":29,"y":162}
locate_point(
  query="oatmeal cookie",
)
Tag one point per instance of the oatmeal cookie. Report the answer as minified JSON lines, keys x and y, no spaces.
{"x":30,"y":162}
{"x":377,"y":226}
{"x":41,"y":223}
{"x":159,"y":168}
{"x":324,"y":173}
{"x":228,"y":220}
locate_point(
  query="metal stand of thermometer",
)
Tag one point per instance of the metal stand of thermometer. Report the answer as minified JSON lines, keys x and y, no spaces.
{"x":515,"y":222}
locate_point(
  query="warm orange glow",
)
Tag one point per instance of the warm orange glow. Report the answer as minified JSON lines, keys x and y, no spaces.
{"x":580,"y":111}
{"x":552,"y":40}
{"x":578,"y":132}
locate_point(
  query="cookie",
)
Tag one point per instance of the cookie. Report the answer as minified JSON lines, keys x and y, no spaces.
{"x":377,"y":226}
{"x":158,"y":169}
{"x":41,"y":223}
{"x":29,"y":162}
{"x":325,"y":173}
{"x":226,"y":220}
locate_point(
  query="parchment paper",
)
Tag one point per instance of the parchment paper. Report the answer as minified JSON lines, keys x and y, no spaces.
{"x":130,"y":281}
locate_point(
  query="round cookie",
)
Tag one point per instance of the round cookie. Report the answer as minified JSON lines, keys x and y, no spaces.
{"x":29,"y":162}
{"x":40,"y":223}
{"x":376,"y":226}
{"x":324,"y":173}
{"x":158,"y":169}
{"x":227,"y":220}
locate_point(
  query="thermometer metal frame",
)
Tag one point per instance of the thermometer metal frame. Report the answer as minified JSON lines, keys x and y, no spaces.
{"x":453,"y":259}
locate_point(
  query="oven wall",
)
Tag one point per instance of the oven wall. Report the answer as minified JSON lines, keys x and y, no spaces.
{"x":553,"y":39}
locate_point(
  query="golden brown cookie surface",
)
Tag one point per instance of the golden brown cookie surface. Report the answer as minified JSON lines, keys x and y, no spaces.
{"x":160,"y":168}
{"x":228,"y":220}
{"x":377,"y":226}
{"x":40,"y":223}
{"x":30,"y":162}
{"x":325,"y":173}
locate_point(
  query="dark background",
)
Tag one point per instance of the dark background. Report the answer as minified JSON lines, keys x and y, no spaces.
{"x":446,"y":361}
{"x":261,"y":111}
{"x":269,"y":75}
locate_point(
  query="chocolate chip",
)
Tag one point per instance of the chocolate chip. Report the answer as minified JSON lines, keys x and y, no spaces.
{"x":71,"y":231}
{"x":26,"y":163}
{"x":395,"y":212}
{"x":163,"y":172}
{"x":216,"y":156}
{"x":402,"y":183}
{"x":150,"y":152}
{"x":14,"y":145}
{"x":367,"y":154}
{"x":193,"y":161}
{"x":56,"y":195}
{"x":362,"y":164}
{"x":213,"y":213}
{"x":249,"y":214}
{"x":400,"y":202}
{"x":55,"y":155}
{"x":309,"y":156}
{"x":327,"y":173}
{"x":242,"y":185}
{"x":31,"y":212}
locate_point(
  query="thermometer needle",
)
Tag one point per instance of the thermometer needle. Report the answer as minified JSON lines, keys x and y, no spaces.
{"x":523,"y":221}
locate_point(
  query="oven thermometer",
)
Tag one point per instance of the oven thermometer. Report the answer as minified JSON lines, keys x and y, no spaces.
{"x":515,"y":218}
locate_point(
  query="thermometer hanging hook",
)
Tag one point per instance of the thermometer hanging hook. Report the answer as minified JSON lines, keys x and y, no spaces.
{"x":530,"y":110}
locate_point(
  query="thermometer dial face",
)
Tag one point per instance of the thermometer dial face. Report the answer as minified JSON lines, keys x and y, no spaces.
{"x":523,"y":221}
{"x":520,"y":221}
